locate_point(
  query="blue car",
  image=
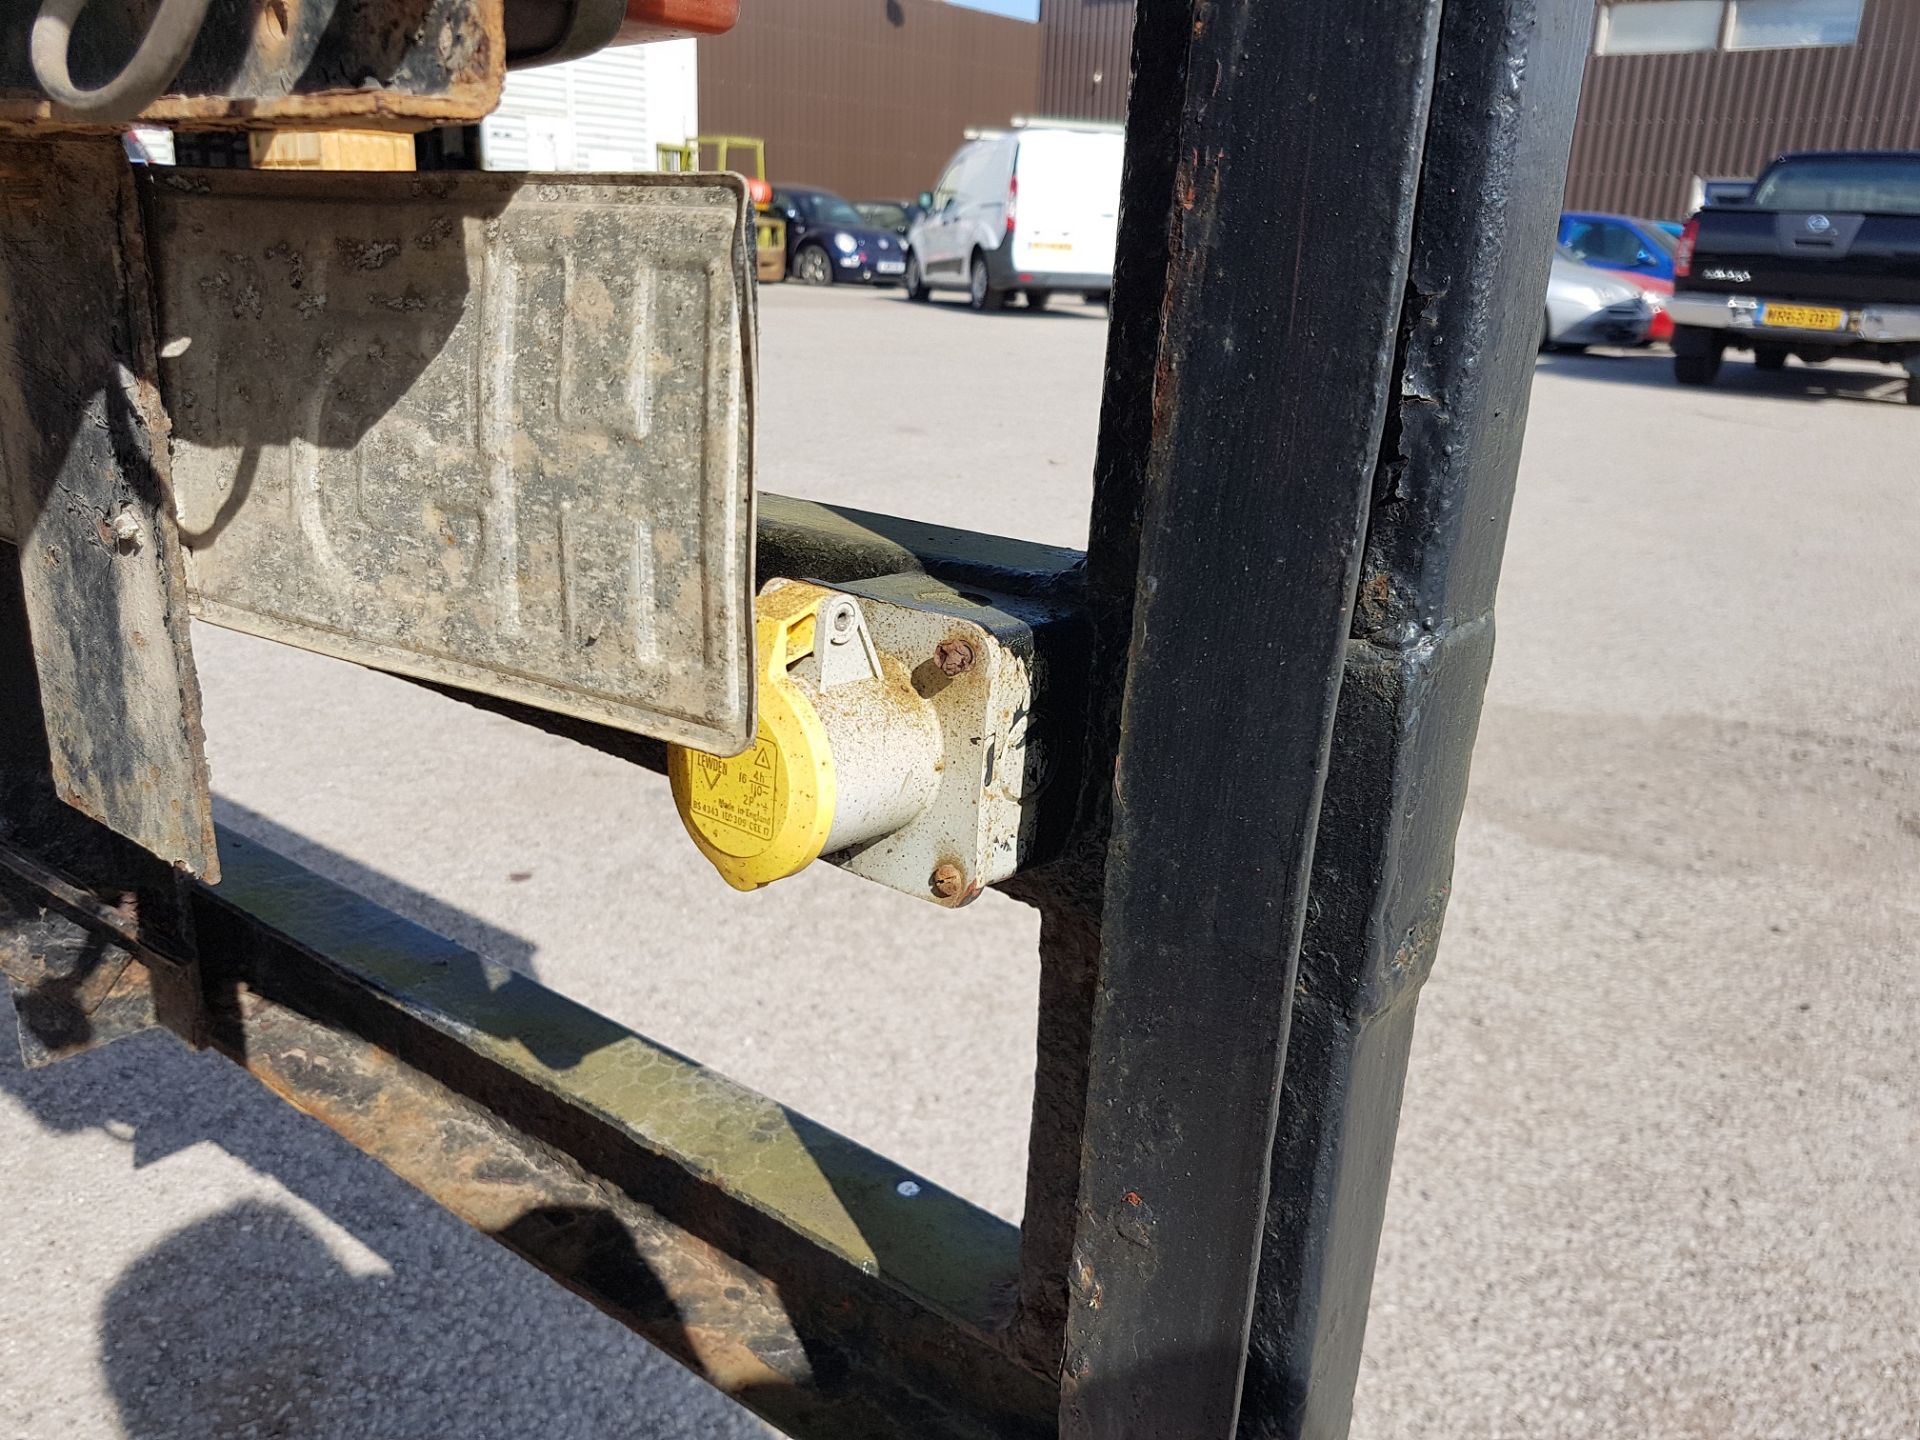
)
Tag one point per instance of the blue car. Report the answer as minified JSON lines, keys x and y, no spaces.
{"x":831,"y":243}
{"x":1620,"y":242}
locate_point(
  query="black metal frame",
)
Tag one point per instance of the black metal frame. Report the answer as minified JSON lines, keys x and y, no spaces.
{"x":1264,"y":675}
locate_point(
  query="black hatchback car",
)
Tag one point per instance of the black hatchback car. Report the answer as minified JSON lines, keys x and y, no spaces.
{"x":828,"y":241}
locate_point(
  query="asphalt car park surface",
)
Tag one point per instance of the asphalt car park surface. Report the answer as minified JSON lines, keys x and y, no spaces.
{"x":1661,"y":1136}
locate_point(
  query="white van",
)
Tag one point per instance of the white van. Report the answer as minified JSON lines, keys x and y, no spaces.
{"x":1033,"y":209}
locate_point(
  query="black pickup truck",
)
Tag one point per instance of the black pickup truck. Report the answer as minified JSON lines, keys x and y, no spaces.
{"x":1822,"y":259}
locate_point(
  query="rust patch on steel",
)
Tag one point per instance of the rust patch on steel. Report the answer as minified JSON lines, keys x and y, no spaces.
{"x":74,"y":988}
{"x":954,"y":657}
{"x":712,"y":1313}
{"x":402,"y":63}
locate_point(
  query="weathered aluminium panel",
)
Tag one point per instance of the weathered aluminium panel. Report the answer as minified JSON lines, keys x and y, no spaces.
{"x":494,"y":431}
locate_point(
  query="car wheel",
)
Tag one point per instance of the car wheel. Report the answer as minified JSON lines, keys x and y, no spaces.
{"x":1696,"y":355}
{"x":980,"y":292}
{"x":1769,"y":359}
{"x":1037,"y":299}
{"x":812,"y":267}
{"x":915,"y":282}
{"x":1696,"y":369}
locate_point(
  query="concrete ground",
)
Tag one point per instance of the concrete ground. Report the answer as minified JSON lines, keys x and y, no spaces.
{"x":1661,"y":1146}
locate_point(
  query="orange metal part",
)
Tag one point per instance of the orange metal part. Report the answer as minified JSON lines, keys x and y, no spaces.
{"x":664,"y":19}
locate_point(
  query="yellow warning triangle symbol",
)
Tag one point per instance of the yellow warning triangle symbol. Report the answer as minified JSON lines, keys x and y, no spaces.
{"x":763,"y":758}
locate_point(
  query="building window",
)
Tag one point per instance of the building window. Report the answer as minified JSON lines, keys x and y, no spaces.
{"x":1781,"y":24}
{"x":1660,"y":27}
{"x":1675,"y":27}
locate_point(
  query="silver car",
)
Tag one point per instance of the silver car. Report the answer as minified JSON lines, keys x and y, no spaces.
{"x":1587,"y":306}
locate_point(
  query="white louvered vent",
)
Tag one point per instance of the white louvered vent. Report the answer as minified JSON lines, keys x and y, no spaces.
{"x":605,"y":112}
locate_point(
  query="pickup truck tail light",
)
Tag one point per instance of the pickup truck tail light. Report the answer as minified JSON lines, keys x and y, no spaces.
{"x":1683,"y":252}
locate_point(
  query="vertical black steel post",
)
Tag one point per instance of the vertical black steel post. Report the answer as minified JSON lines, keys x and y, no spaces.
{"x":1507,"y":80}
{"x":1264,"y":320}
{"x":1274,"y":157}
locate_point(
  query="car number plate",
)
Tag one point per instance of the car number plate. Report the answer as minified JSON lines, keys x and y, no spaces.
{"x":891,"y":267}
{"x":1804,"y":317}
{"x":494,"y":431}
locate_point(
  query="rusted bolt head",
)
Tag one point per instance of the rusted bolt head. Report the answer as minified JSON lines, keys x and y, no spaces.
{"x":954,"y":657}
{"x":947,"y":881}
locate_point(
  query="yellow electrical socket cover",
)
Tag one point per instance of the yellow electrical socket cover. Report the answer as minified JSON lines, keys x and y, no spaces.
{"x":765,"y":814}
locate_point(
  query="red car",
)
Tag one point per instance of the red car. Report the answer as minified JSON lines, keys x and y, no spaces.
{"x":1658,"y":293}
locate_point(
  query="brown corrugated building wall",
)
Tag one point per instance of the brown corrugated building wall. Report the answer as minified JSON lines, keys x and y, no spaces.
{"x":870,"y":97}
{"x":1651,"y":124}
{"x":866,"y":97}
{"x":1086,"y":50}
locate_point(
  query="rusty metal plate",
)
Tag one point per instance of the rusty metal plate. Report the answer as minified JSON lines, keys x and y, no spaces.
{"x":489,"y":430}
{"x":261,"y":63}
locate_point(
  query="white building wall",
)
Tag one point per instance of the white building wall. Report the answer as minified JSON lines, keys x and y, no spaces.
{"x":605,"y":112}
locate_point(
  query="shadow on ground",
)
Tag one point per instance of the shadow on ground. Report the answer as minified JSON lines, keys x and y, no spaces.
{"x":246,"y":1323}
{"x":952,"y":302}
{"x":1063,"y":305}
{"x":436,"y":915}
{"x":1879,"y":385}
